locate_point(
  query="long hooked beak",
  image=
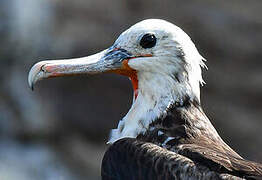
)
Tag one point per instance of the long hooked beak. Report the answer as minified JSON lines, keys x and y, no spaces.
{"x":110,"y":60}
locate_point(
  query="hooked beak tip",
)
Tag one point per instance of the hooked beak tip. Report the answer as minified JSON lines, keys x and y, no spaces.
{"x":109,"y":60}
{"x":35,"y":74}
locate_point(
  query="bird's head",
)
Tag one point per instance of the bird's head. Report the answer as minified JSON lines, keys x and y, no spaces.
{"x":159,"y":58}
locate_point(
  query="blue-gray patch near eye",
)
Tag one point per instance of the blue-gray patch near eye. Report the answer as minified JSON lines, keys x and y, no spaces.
{"x":117,"y":55}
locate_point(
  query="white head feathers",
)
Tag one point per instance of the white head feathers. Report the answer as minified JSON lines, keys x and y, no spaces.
{"x":173,"y":71}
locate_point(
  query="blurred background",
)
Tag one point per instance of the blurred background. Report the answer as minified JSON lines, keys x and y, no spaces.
{"x":59,"y":130}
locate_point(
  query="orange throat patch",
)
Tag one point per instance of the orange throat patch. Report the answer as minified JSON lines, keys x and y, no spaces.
{"x":134,"y":82}
{"x":126,"y":70}
{"x":132,"y":74}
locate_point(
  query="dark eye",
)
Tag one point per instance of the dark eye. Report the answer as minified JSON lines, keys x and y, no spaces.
{"x":148,"y":41}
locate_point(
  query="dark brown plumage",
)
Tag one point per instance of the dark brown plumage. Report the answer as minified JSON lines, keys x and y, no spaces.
{"x":195,"y":151}
{"x":172,"y":137}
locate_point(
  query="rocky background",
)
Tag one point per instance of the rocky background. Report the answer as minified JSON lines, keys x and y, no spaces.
{"x":59,"y":131}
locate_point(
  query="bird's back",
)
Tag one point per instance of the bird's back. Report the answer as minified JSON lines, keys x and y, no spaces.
{"x":183,"y":144}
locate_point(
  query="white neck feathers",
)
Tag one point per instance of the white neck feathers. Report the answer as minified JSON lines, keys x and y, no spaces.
{"x":155,"y":93}
{"x":173,"y":72}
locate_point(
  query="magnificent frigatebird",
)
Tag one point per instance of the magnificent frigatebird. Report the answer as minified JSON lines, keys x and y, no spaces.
{"x":165,"y":134}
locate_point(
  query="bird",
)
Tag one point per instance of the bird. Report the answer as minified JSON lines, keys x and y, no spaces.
{"x":165,"y":134}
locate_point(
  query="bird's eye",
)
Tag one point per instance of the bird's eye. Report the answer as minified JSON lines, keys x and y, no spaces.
{"x":148,"y":41}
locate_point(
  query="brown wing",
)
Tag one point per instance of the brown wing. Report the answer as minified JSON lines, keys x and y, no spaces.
{"x":196,"y":138}
{"x":221,"y":161}
{"x":193,"y":151}
{"x":131,"y":159}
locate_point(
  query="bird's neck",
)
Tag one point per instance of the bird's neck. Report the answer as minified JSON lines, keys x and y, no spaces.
{"x":155,"y":94}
